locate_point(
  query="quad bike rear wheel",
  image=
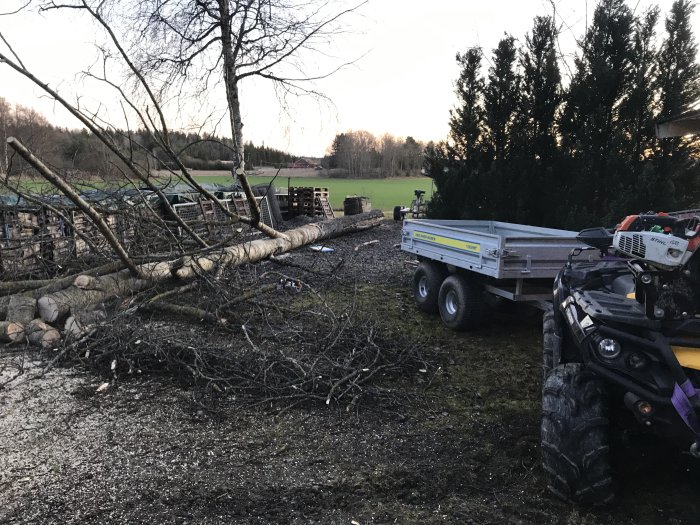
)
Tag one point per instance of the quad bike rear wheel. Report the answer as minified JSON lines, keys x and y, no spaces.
{"x":575,"y":436}
{"x":397,"y":213}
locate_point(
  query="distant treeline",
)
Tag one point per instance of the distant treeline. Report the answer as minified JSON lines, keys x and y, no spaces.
{"x":526,"y":147}
{"x":80,"y":151}
{"x":361,"y":154}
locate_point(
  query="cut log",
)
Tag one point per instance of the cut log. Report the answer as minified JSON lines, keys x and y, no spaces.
{"x":58,"y":305}
{"x":11,"y":332}
{"x":42,"y":335}
{"x":21,"y":309}
{"x":80,"y":323}
{"x":85,"y":282}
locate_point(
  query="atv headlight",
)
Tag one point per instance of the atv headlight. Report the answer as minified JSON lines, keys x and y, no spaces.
{"x":609,"y":349}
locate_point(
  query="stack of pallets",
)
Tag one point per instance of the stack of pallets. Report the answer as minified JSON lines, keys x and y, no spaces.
{"x":312,"y":202}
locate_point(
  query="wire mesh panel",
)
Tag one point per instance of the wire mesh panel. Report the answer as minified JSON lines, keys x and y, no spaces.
{"x":265,"y":211}
{"x":33,"y":239}
{"x":206,"y":218}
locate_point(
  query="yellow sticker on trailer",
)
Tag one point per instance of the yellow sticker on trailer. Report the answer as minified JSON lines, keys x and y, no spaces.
{"x":467,"y":246}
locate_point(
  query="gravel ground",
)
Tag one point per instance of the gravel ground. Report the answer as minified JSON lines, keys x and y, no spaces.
{"x":463,"y":447}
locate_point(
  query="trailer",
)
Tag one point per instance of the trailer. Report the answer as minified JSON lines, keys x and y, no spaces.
{"x":461,"y":263}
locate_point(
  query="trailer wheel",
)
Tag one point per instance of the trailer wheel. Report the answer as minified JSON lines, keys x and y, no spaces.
{"x":461,"y":303}
{"x":397,"y":213}
{"x":426,"y":285}
{"x":575,"y":436}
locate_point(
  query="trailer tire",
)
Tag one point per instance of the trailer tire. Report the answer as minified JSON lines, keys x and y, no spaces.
{"x":427,"y":279}
{"x":397,"y":213}
{"x":461,"y":303}
{"x":575,"y":436}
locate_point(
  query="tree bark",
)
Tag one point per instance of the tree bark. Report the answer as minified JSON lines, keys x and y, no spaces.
{"x":21,"y":309}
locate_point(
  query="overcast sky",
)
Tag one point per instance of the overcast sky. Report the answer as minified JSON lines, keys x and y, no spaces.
{"x":402,"y":82}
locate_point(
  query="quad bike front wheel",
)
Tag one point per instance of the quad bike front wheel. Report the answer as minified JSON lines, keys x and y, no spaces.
{"x":551,"y":343}
{"x":575,"y":436}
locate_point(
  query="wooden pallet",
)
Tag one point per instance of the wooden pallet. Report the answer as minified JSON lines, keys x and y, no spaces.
{"x":324,"y":206}
{"x":309,"y":201}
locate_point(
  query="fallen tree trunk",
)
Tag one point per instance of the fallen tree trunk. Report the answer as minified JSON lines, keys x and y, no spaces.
{"x":260,"y":249}
{"x":58,"y":305}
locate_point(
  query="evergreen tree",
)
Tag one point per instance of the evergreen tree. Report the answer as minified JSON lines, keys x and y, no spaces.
{"x":456,"y":165}
{"x":592,"y":131}
{"x":679,"y":73}
{"x":645,"y":189}
{"x":466,"y":120}
{"x":541,"y":92}
{"x":637,"y":112}
{"x":501,"y":97}
{"x":679,"y":88}
{"x":535,"y":128}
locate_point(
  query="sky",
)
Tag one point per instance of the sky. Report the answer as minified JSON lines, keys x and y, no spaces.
{"x":401,"y":80}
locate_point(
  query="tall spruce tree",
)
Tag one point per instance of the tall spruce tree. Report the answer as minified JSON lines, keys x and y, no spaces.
{"x":455,"y":165}
{"x":679,"y":73}
{"x":593,"y":133}
{"x":535,"y":128}
{"x":644,"y":189}
{"x":638,"y":109}
{"x":501,"y":96}
{"x":467,"y":118}
{"x":679,"y":89}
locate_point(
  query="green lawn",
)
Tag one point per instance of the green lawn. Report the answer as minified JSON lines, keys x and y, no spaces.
{"x":383,"y":193}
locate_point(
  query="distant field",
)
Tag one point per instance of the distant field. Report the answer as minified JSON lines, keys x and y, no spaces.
{"x":383,"y":193}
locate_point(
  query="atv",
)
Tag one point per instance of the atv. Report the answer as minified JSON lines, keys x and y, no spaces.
{"x":621,"y":345}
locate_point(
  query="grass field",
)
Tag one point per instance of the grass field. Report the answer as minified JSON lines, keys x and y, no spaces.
{"x":383,"y":193}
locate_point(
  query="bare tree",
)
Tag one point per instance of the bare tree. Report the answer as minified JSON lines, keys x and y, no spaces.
{"x":161,"y":47}
{"x":179,"y":43}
